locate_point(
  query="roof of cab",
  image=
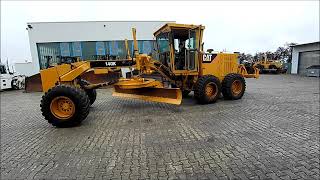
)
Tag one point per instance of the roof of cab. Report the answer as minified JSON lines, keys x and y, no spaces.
{"x":174,"y":25}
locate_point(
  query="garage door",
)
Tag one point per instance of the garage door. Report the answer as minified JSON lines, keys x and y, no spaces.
{"x":307,"y":59}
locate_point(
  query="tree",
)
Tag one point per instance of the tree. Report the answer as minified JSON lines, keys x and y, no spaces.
{"x":289,"y":45}
{"x":258,"y":56}
{"x":245,"y":57}
{"x":242,"y":57}
{"x":282,"y":53}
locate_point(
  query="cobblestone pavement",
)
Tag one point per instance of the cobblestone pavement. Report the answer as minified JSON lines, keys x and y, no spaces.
{"x":271,"y":133}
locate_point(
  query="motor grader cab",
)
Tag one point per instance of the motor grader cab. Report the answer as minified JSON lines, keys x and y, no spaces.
{"x":182,"y":64}
{"x":179,"y":46}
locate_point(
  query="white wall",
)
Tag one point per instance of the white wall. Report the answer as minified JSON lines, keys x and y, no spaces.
{"x":86,"y":31}
{"x":24,"y":68}
{"x":295,"y":54}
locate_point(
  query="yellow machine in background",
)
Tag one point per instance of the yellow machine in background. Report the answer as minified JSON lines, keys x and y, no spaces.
{"x":268,"y":65}
{"x":181,"y":63}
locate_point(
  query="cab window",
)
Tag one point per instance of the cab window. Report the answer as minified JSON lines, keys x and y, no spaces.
{"x":163,"y":42}
{"x":163,"y":48}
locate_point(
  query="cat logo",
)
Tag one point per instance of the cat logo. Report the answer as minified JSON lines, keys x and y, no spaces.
{"x":208,"y":58}
{"x":111,"y":64}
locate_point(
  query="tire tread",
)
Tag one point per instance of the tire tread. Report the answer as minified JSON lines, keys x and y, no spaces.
{"x":199,"y":91}
{"x":226,"y":86}
{"x":82,"y":103}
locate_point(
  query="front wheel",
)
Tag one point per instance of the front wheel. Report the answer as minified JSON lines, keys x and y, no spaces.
{"x":233,"y":86}
{"x":208,"y":89}
{"x":65,"y":106}
{"x":14,"y":84}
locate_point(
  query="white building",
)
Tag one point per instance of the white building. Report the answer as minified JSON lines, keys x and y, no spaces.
{"x":304,"y":56}
{"x":59,"y":42}
{"x":25,"y":68}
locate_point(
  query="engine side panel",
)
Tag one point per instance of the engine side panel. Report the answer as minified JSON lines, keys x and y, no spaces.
{"x":219,"y":64}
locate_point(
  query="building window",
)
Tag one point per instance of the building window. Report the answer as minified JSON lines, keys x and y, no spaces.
{"x":100,"y":50}
{"x":76,"y":49}
{"x":49,"y":54}
{"x":65,"y":49}
{"x":147,"y":47}
{"x":67,"y":52}
{"x":121,"y":50}
{"x":89,"y":50}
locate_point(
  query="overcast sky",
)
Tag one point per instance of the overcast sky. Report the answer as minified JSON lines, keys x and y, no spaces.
{"x":244,"y":26}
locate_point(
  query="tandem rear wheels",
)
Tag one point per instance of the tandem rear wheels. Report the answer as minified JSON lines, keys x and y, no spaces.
{"x":233,"y":86}
{"x":208,"y":88}
{"x":65,"y":106}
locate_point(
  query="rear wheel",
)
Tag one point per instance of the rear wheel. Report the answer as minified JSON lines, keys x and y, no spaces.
{"x":208,"y":89}
{"x":65,"y":106}
{"x":275,"y":69}
{"x":233,"y":86}
{"x":260,"y":67}
{"x":250,"y":69}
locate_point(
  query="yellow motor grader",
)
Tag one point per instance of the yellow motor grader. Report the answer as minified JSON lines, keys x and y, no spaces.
{"x":181,"y":63}
{"x":268,"y":65}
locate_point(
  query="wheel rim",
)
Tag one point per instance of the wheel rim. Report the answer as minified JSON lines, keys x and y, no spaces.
{"x":236,"y":87}
{"x":62,"y":107}
{"x":211,"y":90}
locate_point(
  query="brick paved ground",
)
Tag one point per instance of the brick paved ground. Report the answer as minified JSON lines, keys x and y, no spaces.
{"x":272,"y":133}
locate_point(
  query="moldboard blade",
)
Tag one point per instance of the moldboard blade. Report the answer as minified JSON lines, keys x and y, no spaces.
{"x":163,"y":95}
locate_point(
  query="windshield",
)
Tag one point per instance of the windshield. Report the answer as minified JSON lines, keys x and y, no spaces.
{"x":3,"y":70}
{"x":163,"y":42}
{"x":314,"y":67}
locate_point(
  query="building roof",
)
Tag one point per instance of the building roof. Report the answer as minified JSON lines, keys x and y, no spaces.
{"x":92,"y":22}
{"x":306,"y":44}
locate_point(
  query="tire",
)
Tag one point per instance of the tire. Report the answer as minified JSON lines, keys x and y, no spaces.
{"x":233,"y":86}
{"x":279,"y":71}
{"x":202,"y":91}
{"x":14,"y":84}
{"x":260,"y":67}
{"x":271,"y":67}
{"x":92,"y":93}
{"x":250,"y":69}
{"x":75,"y":100}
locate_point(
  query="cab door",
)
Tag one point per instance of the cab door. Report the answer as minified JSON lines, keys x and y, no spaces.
{"x":189,"y":64}
{"x":193,"y":49}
